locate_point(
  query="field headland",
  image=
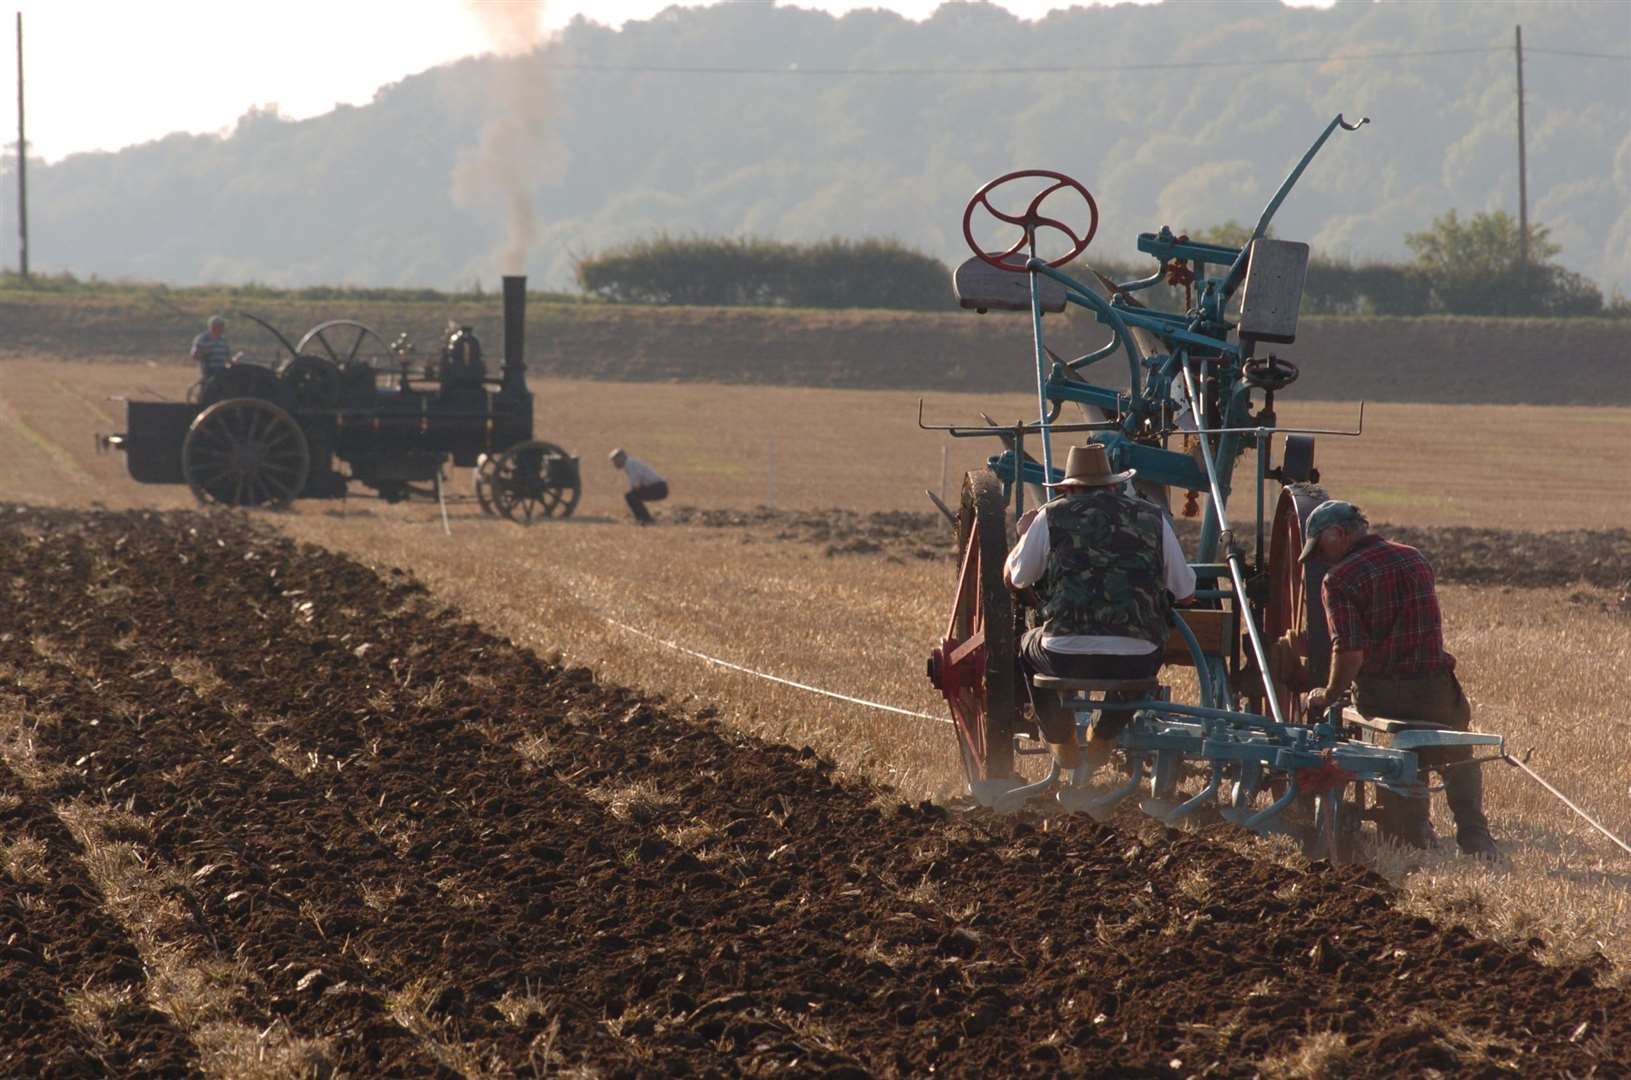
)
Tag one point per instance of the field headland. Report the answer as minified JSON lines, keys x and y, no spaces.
{"x":1434,"y":360}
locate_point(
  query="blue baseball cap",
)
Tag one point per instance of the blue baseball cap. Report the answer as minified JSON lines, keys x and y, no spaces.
{"x":1326,"y":514}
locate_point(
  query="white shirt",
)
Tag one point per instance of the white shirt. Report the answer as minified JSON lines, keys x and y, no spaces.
{"x":1029,"y":559}
{"x":639,"y":473}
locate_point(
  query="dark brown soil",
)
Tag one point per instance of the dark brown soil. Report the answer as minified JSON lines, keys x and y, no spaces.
{"x":380,"y":803}
{"x":1597,"y":557}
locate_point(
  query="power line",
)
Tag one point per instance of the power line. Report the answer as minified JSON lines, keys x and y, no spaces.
{"x":1576,"y":52}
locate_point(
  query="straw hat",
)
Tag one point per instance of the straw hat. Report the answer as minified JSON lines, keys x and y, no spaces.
{"x":1089,"y":466}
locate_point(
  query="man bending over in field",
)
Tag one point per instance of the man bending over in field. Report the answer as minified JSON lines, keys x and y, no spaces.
{"x":1106,"y":565}
{"x":1387,"y":641}
{"x":644,"y":485}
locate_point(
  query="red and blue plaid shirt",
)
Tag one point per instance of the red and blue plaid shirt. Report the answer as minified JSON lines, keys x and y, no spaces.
{"x":1380,"y":598}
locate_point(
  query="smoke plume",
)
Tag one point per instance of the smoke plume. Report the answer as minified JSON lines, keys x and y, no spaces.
{"x":517,"y":147}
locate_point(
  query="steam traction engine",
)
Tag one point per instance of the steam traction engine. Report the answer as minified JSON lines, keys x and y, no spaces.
{"x":1257,"y":629}
{"x":330,"y":415}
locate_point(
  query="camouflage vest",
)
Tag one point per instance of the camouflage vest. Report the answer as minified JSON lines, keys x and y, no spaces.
{"x":1106,"y":572}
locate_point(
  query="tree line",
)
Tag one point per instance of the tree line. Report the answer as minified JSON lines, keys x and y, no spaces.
{"x":1471,"y":266}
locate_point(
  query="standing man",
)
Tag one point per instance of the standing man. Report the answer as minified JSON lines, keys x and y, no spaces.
{"x":644,"y":484}
{"x":1387,"y":641}
{"x":210,"y":349}
{"x":1106,"y":566}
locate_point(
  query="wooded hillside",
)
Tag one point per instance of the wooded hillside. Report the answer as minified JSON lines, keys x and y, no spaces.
{"x":740,"y":120}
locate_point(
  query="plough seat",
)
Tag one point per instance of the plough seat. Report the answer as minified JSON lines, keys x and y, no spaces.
{"x":1085,"y":686}
{"x":983,"y":287}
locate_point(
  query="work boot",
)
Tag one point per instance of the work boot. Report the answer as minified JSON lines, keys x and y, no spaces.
{"x":1464,"y":791}
{"x":1404,"y":821}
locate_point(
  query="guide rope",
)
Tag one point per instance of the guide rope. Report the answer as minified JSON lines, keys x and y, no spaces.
{"x":717,"y":662}
{"x":1564,"y":799}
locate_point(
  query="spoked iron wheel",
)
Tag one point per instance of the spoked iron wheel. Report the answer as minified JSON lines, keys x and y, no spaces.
{"x":976,"y":667}
{"x":343,"y":341}
{"x":535,"y":480}
{"x":245,"y":452}
{"x":1294,"y":594}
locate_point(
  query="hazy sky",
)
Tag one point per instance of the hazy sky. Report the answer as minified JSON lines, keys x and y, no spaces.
{"x":103,"y":74}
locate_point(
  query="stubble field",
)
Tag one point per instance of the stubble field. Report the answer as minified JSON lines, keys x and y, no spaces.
{"x":849,"y":602}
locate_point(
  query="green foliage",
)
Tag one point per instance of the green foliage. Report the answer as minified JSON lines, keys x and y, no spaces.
{"x":1229,"y":234}
{"x":763,"y":273}
{"x":1486,"y":243}
{"x":1474,"y":267}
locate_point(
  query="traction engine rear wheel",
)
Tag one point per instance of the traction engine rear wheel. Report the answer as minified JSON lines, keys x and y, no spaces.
{"x":245,"y":452}
{"x":976,"y":667}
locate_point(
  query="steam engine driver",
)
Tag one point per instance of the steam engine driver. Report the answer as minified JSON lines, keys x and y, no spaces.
{"x":1106,"y":566}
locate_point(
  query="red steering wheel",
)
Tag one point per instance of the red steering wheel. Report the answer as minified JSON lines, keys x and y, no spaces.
{"x":1030,"y":221}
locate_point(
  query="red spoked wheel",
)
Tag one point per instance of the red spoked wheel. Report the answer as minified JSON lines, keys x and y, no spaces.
{"x":976,"y":667}
{"x":1030,"y":221}
{"x":1294,"y":604}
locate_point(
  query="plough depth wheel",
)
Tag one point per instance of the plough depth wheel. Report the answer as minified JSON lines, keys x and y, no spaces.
{"x":245,"y":452}
{"x":1294,"y":594}
{"x":976,"y":667}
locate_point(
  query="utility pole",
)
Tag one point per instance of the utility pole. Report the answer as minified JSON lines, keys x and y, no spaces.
{"x":1523,"y":169}
{"x":22,"y":162}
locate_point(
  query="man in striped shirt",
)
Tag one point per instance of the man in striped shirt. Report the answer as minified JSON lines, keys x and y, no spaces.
{"x":210,"y":349}
{"x":1387,"y":642}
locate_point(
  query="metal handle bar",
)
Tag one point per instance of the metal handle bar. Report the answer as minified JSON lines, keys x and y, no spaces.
{"x":959,"y":432}
{"x":1262,"y":431}
{"x":1238,"y":269}
{"x":1236,"y":570}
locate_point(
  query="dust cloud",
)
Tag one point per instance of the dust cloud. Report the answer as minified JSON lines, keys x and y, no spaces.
{"x":517,"y":147}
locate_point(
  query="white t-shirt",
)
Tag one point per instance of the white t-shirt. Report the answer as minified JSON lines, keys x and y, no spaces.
{"x":639,"y":473}
{"x":1029,"y":559}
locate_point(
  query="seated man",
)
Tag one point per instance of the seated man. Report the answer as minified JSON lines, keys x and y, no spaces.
{"x":1106,"y":565}
{"x":210,"y":350}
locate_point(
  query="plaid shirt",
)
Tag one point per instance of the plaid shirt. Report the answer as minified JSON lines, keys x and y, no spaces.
{"x":1380,"y":598}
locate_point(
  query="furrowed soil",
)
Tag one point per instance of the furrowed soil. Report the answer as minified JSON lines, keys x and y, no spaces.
{"x":425,"y":851}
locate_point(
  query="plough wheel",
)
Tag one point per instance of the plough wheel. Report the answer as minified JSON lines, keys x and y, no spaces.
{"x":1294,"y":596}
{"x":976,"y":668}
{"x":245,"y":452}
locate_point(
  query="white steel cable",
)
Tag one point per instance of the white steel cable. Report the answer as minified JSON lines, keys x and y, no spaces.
{"x":717,"y":662}
{"x":1564,"y":799}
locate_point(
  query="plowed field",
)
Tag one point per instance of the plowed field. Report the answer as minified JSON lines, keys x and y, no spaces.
{"x":398,"y":845}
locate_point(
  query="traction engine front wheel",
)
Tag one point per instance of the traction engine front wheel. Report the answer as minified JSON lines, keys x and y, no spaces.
{"x":534,"y":480}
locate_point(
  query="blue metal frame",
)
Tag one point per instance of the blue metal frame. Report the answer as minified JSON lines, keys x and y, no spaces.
{"x":1202,"y":361}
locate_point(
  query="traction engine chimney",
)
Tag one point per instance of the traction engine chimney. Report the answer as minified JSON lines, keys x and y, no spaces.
{"x":515,"y":333}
